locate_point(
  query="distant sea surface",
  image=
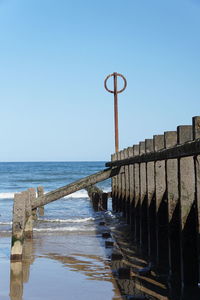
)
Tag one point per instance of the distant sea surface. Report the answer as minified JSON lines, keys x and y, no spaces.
{"x":71,"y":213}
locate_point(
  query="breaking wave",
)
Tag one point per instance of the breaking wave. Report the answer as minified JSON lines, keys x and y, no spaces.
{"x":66,"y":220}
{"x":67,"y":228}
{"x":79,"y":194}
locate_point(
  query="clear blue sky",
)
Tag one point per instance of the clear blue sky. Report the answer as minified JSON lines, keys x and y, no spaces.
{"x":55,"y":54}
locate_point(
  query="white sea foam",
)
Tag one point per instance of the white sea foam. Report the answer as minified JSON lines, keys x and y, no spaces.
{"x":110,"y":214}
{"x":5,"y":231}
{"x":67,"y":220}
{"x":67,"y":228}
{"x":107,"y":190}
{"x":79,"y":194}
{"x":7,"y":195}
{"x":5,"y":223}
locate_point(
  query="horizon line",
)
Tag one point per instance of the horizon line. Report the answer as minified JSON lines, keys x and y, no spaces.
{"x":26,"y":161}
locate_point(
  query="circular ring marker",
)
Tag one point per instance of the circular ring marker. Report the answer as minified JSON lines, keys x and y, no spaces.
{"x":112,"y":75}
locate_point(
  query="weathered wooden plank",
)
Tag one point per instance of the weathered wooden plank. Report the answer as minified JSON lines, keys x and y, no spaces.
{"x":32,"y":192}
{"x":123,"y":187}
{"x":151,"y":202}
{"x":131,"y":188}
{"x":18,"y":227}
{"x":196,"y":135}
{"x":188,"y":149}
{"x":104,"y":201}
{"x":173,"y":207}
{"x":98,"y":197}
{"x":161,"y":208}
{"x":143,"y":201}
{"x":28,"y":229}
{"x":94,"y":194}
{"x":118,"y":185}
{"x":160,"y":182}
{"x":185,"y":134}
{"x":114,"y":184}
{"x":40,"y":192}
{"x":189,"y":261}
{"x":75,"y":186}
{"x":127,"y":187}
{"x":137,"y":194}
{"x":120,"y":190}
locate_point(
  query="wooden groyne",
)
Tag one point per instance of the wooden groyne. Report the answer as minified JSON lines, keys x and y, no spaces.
{"x":26,"y":205}
{"x":156,"y":186}
{"x":158,"y":192}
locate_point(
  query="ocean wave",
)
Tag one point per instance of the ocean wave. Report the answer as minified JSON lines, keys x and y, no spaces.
{"x":5,"y":223}
{"x":110,"y":214}
{"x":79,"y":194}
{"x":5,"y":232}
{"x":7,"y":195}
{"x":66,"y":220}
{"x":67,"y":228}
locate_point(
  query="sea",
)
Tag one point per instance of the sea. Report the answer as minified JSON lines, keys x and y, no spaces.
{"x":66,"y":244}
{"x":71,"y":213}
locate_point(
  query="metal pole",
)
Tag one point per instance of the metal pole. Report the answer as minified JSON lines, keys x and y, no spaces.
{"x":115,"y":92}
{"x":116,"y":113}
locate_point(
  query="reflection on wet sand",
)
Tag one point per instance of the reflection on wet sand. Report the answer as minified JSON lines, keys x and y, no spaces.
{"x":16,"y":281}
{"x":92,"y":266}
{"x":19,"y":271}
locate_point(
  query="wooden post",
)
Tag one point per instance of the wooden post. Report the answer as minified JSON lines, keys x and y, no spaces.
{"x":137,"y":195}
{"x":152,"y":246}
{"x":40,"y":192}
{"x":196,"y":135}
{"x":28,"y":230}
{"x":189,"y":254}
{"x":98,"y":197}
{"x":119,"y":154}
{"x":161,"y":209}
{"x":143,"y":202}
{"x":94,"y":194}
{"x":127,"y":187}
{"x":96,"y":201}
{"x":104,"y":201}
{"x":18,"y":227}
{"x":117,"y":186}
{"x":123,"y":185}
{"x":33,"y":200}
{"x":114,"y":186}
{"x":173,"y":208}
{"x":131,"y":187}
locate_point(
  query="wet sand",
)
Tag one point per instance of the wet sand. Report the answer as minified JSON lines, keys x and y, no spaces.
{"x":57,"y":267}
